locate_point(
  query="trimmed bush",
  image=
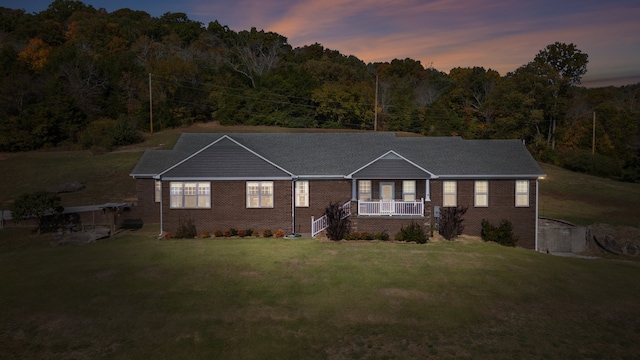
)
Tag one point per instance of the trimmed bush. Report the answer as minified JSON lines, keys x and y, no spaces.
{"x":227,"y":233}
{"x":383,"y":236}
{"x":242,"y":233}
{"x":186,"y":229}
{"x":249,"y":232}
{"x":218,"y":233}
{"x":267,"y":233}
{"x":413,"y":233}
{"x":205,"y":234}
{"x":352,"y":236}
{"x":279,"y":233}
{"x":366,"y":236}
{"x":502,"y":234}
{"x":234,"y":232}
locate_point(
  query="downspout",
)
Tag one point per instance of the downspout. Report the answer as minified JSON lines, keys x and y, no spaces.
{"x":293,"y":207}
{"x":537,"y":206}
{"x":161,"y":188}
{"x":293,"y":210}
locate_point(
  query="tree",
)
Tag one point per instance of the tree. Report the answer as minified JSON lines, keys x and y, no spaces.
{"x":36,"y":205}
{"x":567,"y":60}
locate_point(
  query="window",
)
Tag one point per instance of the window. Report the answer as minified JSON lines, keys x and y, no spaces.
{"x":364,"y":190}
{"x":449,"y":194}
{"x":190,"y":195}
{"x":302,"y":193}
{"x":522,"y":193}
{"x":158,"y":192}
{"x":409,"y":190}
{"x":482,"y":193}
{"x":260,"y":194}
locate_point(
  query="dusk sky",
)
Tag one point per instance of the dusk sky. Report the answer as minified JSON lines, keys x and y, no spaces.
{"x":495,"y":34}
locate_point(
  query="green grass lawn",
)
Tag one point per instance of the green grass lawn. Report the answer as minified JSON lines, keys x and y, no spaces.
{"x":585,"y":199}
{"x":135,"y":297}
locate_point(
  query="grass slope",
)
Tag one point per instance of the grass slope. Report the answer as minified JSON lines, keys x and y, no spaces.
{"x":135,"y":297}
{"x":585,"y":199}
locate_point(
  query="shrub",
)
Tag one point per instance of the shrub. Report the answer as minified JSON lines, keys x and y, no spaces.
{"x":186,"y":229}
{"x":338,"y":224}
{"x":205,"y":234}
{"x":234,"y":232}
{"x":450,"y":224}
{"x":413,"y":233}
{"x":267,"y":233}
{"x":398,"y":236}
{"x":352,"y":236}
{"x":218,"y":233}
{"x":366,"y":236}
{"x":242,"y":233}
{"x":384,"y":236}
{"x":227,"y":233}
{"x":502,"y":234}
{"x":167,"y":235}
{"x":249,"y":232}
{"x":279,"y":233}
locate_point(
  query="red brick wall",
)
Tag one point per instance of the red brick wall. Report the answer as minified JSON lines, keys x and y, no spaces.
{"x":501,"y":206}
{"x":392,"y":225}
{"x":321,"y":194}
{"x":146,"y":208}
{"x":228,"y":209}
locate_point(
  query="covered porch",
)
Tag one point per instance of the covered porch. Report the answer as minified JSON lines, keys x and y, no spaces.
{"x":391,"y":208}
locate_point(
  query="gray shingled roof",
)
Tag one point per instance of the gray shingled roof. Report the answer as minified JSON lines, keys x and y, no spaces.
{"x":337,"y":155}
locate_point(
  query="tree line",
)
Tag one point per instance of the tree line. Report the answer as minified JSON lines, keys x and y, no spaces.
{"x":76,"y":75}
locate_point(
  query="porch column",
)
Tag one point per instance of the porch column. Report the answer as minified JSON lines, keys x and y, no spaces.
{"x":353,"y":189}
{"x":428,"y":190}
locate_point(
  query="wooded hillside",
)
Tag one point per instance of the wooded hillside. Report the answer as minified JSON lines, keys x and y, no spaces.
{"x":77,"y":75}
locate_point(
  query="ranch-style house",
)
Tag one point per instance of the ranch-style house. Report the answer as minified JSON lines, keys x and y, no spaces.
{"x":384,"y":181}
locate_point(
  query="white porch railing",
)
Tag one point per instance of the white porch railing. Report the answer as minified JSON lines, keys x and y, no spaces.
{"x":322,"y":223}
{"x":391,"y":208}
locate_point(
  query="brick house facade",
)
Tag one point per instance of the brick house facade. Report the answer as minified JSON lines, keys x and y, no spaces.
{"x":283,"y":181}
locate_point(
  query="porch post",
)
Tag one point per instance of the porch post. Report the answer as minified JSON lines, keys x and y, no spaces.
{"x":353,"y":189}
{"x":428,"y":190}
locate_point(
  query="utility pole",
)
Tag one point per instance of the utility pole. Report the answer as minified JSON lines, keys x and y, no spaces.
{"x":375,"y":117}
{"x":150,"y":107}
{"x":593,"y":140}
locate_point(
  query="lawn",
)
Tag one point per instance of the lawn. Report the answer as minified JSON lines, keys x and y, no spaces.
{"x":136,"y":297}
{"x":585,"y":199}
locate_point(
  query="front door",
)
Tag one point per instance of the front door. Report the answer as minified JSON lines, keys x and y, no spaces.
{"x":387,"y":191}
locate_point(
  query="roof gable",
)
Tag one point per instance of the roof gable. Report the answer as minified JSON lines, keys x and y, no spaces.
{"x":391,"y":165}
{"x":225,"y":159}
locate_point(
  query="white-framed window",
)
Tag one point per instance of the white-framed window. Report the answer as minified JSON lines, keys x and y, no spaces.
{"x":364,"y":190}
{"x":190,"y":195}
{"x":449,"y":194}
{"x":522,"y":193}
{"x":481,"y":198}
{"x":302,"y":193}
{"x":259,"y":194}
{"x":158,"y":191}
{"x":409,"y":190}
